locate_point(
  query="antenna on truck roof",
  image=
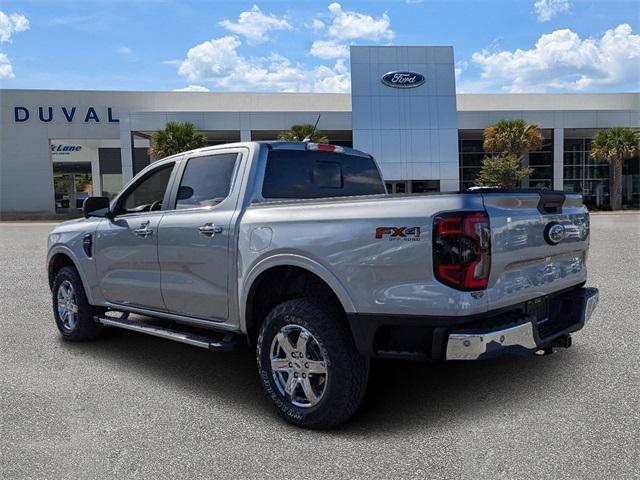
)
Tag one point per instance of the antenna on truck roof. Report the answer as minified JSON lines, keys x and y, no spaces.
{"x":310,"y":136}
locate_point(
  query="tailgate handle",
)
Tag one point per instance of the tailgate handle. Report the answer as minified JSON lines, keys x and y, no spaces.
{"x":551,"y":202}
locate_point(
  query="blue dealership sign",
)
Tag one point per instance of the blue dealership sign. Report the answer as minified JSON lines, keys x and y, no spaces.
{"x":402,"y":79}
{"x":47,"y":114}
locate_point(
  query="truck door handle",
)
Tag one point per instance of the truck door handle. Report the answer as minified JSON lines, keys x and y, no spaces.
{"x":144,"y":231}
{"x":209,"y":229}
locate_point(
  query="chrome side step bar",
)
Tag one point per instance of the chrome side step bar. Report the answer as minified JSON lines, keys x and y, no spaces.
{"x":227,"y":342}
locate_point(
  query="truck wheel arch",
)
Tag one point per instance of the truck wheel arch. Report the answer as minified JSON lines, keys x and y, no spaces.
{"x":56,"y":262}
{"x":282,"y":277}
{"x":61,"y":258}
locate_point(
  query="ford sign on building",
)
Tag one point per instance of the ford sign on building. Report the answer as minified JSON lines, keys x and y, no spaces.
{"x":58,"y":147}
{"x":403,"y":79}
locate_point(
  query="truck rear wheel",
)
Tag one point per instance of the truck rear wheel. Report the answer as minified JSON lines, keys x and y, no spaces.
{"x":309,"y":365}
{"x":71,"y":309}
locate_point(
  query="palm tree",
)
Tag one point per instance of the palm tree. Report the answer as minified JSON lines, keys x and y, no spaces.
{"x":174,"y":138}
{"x":615,"y":145}
{"x":513,"y":137}
{"x":298,"y":133}
{"x":509,"y":141}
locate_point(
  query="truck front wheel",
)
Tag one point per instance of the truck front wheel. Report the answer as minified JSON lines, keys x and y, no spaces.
{"x":71,"y":309}
{"x":309,"y":365}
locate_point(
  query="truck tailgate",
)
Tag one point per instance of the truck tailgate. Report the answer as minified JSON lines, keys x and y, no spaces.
{"x":526,"y":262}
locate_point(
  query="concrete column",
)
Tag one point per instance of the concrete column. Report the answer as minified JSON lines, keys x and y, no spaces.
{"x":245,"y":135}
{"x":95,"y":175}
{"x":558,"y":158}
{"x":126,"y":150}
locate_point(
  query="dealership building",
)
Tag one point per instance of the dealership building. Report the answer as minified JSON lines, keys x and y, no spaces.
{"x":58,"y":147}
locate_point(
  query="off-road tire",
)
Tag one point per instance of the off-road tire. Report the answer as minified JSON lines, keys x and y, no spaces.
{"x":85,"y":328}
{"x":348,"y":371}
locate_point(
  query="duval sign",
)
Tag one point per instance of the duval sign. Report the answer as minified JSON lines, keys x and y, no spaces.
{"x":69,"y":114}
{"x":401,"y":79}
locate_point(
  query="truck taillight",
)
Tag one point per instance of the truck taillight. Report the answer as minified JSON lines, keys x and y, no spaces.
{"x":462,"y":249}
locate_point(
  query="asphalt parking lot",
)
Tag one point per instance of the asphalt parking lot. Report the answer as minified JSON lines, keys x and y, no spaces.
{"x":133,"y":406}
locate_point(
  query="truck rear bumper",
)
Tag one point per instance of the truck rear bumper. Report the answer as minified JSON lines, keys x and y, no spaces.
{"x":524,"y":329}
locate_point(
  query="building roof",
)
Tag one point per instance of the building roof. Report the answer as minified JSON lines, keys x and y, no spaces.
{"x":329,"y":102}
{"x":547,"y":101}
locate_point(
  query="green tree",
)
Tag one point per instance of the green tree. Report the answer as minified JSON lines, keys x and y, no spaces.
{"x":503,"y":171}
{"x":174,"y":138}
{"x":509,"y":141}
{"x":297,"y":133}
{"x":615,"y":145}
{"x":513,"y":137}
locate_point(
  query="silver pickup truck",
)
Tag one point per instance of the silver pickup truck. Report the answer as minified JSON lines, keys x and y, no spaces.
{"x":297,"y":248}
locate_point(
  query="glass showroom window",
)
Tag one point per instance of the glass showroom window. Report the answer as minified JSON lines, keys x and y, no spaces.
{"x":72,"y":173}
{"x":110,"y":171}
{"x":425,"y":186}
{"x":472,"y":153}
{"x":584,"y":174}
{"x":542,"y":163}
{"x":471,"y":156}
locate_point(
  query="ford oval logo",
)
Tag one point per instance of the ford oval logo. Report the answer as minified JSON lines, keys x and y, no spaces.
{"x":554,"y":233}
{"x":402,"y":79}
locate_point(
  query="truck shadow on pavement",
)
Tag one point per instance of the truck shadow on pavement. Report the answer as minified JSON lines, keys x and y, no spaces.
{"x":402,"y":396}
{"x":406,"y":396}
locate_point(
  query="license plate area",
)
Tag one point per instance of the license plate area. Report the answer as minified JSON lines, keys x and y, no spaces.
{"x":537,"y":310}
{"x":568,"y":311}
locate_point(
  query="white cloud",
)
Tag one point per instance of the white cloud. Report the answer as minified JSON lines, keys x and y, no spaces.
{"x":331,"y":80}
{"x":561,"y":60}
{"x":254,"y":25}
{"x":217,"y":61}
{"x":192,"y":88}
{"x":349,"y":25}
{"x":547,"y":9}
{"x":126,"y":51}
{"x":460,"y":67}
{"x":6,"y":70}
{"x":211,"y":59}
{"x":317,"y":25}
{"x":346,"y":26}
{"x":329,"y":49}
{"x":10,"y":24}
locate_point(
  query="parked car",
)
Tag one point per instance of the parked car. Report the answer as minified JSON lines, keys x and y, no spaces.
{"x":297,"y":249}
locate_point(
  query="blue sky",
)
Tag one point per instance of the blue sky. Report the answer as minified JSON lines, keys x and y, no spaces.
{"x":500,"y":46}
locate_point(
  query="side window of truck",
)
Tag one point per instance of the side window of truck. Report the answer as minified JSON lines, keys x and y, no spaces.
{"x":206,"y":181}
{"x":316,"y":174}
{"x":147,"y":194}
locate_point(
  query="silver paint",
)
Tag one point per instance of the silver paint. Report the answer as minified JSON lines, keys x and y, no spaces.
{"x":206,"y":278}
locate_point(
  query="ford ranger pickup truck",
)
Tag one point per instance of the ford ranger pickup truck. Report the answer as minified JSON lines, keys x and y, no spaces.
{"x":298,"y":249}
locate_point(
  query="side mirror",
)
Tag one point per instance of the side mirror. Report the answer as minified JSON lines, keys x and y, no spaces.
{"x":185,"y":193}
{"x":96,"y":207}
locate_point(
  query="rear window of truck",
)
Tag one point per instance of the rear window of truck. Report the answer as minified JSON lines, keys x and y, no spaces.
{"x":313,"y":174}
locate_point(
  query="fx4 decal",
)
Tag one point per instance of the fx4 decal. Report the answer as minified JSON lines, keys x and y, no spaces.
{"x":399,"y":233}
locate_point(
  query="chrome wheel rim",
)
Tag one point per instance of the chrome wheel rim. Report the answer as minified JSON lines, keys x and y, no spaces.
{"x":298,"y":366}
{"x":67,"y":305}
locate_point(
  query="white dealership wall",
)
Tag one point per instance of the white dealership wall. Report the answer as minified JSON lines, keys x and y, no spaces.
{"x":417,"y":141}
{"x":26,"y":172}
